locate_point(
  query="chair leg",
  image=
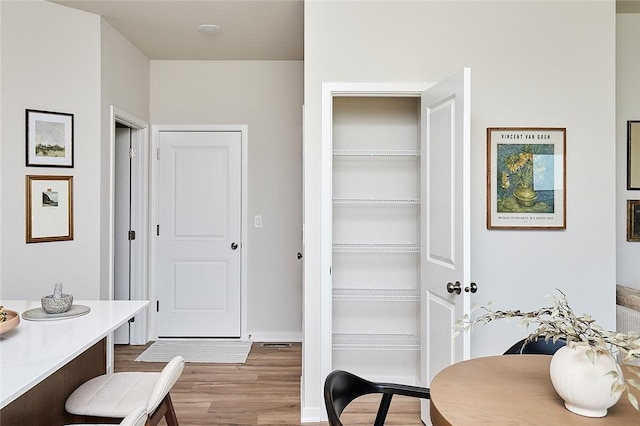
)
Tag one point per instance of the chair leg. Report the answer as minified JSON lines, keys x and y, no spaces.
{"x":170,"y":415}
{"x":383,"y":410}
{"x":165,"y":409}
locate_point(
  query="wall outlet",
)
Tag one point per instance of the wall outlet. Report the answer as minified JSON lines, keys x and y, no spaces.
{"x":257,"y":222}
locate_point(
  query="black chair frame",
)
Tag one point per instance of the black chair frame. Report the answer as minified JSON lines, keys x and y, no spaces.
{"x":536,"y":347}
{"x":342,"y":387}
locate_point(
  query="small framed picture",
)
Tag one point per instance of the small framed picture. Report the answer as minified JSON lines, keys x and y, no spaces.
{"x":633,"y":220}
{"x":526,"y":178}
{"x":49,"y":139}
{"x":633,"y":154}
{"x":49,"y":215}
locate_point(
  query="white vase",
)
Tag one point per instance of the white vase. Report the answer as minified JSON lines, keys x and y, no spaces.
{"x":583,"y":384}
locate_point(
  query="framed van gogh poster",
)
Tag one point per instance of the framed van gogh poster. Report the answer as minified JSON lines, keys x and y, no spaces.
{"x":526,"y":186}
{"x":49,"y":139}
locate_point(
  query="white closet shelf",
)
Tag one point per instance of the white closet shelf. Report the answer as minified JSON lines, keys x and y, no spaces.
{"x":375,"y":248}
{"x":376,"y":341}
{"x":376,"y":294}
{"x":376,"y":153}
{"x":376,"y":200}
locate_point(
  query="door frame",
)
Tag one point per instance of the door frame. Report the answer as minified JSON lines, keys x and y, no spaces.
{"x":153,"y":205}
{"x":139,"y":187}
{"x":329,"y":91}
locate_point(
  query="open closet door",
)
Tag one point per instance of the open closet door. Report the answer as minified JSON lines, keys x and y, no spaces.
{"x":445,"y":236}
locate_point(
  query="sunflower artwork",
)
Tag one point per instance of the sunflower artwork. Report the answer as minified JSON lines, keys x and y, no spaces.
{"x":525,"y":178}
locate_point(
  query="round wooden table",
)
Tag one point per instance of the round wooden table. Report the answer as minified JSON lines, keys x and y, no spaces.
{"x":510,"y":390}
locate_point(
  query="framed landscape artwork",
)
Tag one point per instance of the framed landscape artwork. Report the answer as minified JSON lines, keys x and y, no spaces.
{"x":633,"y":154}
{"x":49,"y":141}
{"x":526,"y":178}
{"x":633,"y":220}
{"x":49,"y":215}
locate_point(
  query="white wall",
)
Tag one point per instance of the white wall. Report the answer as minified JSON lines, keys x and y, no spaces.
{"x":537,"y":63}
{"x":125,"y":85}
{"x":1,"y":155}
{"x":628,"y":108}
{"x":50,"y":61}
{"x":268,"y":97}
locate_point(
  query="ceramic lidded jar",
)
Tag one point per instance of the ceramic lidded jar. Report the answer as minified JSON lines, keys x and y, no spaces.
{"x":585,"y":385}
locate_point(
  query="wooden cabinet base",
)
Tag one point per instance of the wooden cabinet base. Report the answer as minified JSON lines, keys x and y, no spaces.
{"x":43,"y":405}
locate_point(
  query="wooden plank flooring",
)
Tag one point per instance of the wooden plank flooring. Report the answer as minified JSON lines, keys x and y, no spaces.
{"x":263,"y":391}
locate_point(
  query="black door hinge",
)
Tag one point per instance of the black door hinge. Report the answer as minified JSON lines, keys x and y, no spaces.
{"x":132,"y":235}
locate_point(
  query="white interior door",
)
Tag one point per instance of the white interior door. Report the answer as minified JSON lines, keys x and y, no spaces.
{"x":445,"y":188}
{"x":199,"y":246}
{"x":122,"y":225}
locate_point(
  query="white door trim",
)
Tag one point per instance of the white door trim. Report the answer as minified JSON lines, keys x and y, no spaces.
{"x":138,"y":330}
{"x":329,"y":90}
{"x":153,"y":203}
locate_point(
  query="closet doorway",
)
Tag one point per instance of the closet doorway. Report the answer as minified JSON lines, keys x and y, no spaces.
{"x":396,"y":220}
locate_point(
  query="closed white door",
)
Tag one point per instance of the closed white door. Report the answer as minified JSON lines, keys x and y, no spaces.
{"x":199,"y":246}
{"x":446,"y":224}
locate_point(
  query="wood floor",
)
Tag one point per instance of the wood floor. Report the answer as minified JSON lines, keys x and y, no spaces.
{"x":263,"y":391}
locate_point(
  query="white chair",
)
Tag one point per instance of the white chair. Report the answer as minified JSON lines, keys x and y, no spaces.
{"x":137,"y":417}
{"x":118,"y":394}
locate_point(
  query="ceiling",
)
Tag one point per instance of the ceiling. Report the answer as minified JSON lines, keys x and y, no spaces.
{"x":167,"y":29}
{"x":251,"y":29}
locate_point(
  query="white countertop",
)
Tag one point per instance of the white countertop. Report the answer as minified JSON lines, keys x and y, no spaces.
{"x":35,"y":349}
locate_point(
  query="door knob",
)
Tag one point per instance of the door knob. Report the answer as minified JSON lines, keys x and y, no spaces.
{"x":299,"y":255}
{"x":473,"y":287}
{"x":234,"y":246}
{"x":454,"y":288}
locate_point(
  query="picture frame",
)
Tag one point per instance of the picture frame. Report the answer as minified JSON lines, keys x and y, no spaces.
{"x":49,"y":208}
{"x":526,"y":178}
{"x":49,"y":139}
{"x":633,"y":154}
{"x":633,"y":220}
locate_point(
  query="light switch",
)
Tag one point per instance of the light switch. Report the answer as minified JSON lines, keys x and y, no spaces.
{"x":258,"y":222}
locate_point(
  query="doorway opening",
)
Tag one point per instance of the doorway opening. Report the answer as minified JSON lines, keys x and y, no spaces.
{"x":129,"y":224}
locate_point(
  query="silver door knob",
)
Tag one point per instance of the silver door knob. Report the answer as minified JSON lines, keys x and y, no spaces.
{"x":234,"y":246}
{"x":473,"y":287}
{"x":454,"y":288}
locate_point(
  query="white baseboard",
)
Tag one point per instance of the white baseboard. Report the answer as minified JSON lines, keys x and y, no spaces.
{"x":283,"y":337}
{"x":310,"y":414}
{"x":313,"y":415}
